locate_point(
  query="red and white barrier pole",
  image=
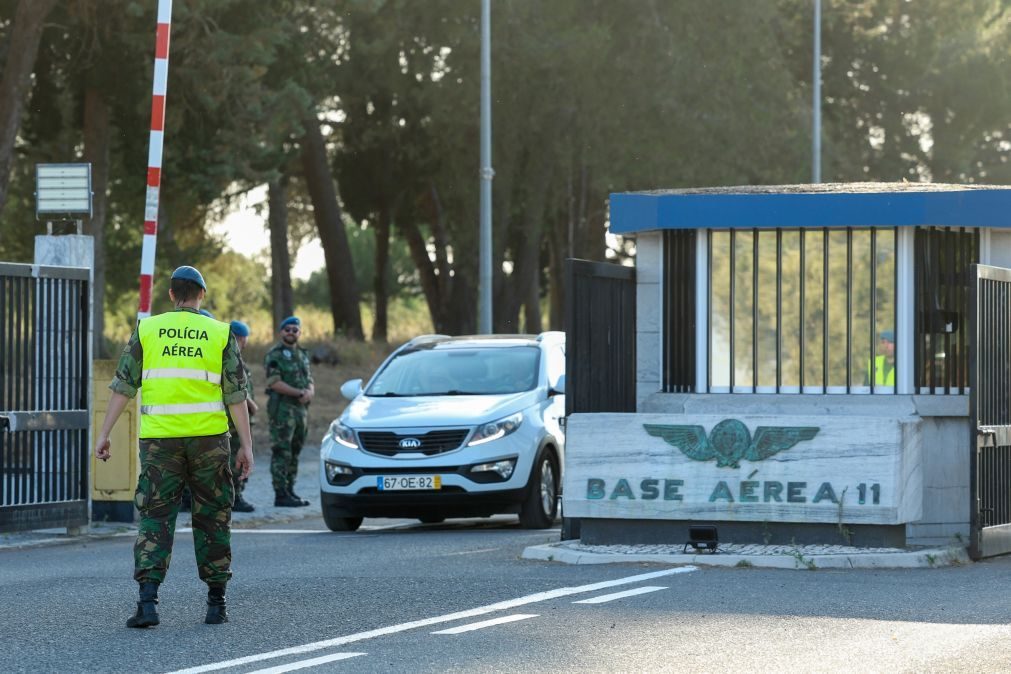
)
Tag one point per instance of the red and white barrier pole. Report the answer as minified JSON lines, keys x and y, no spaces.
{"x":161,"y":52}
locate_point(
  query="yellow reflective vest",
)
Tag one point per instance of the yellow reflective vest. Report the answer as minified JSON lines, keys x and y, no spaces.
{"x":181,"y":378}
{"x":880,"y":376}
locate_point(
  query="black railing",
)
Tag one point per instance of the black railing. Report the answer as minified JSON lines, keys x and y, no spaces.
{"x":44,"y":379}
{"x":679,"y":310}
{"x":944,"y":257}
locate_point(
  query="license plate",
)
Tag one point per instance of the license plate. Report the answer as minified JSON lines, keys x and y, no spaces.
{"x":408,"y":482}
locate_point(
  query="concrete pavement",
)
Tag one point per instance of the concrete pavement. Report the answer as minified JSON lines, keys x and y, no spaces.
{"x":803,"y":557}
{"x":258,"y":491}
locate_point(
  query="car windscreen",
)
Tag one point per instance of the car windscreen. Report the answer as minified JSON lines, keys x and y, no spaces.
{"x":462,"y":371}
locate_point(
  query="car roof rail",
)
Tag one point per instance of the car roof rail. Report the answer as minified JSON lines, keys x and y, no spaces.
{"x":426,"y":339}
{"x":551,"y":334}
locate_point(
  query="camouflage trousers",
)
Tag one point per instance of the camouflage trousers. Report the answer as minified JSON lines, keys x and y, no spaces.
{"x":288,"y":425}
{"x":167,"y":465}
{"x":234,"y":443}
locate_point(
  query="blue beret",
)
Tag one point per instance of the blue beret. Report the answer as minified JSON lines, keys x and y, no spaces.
{"x":888,"y":335}
{"x":189,"y":274}
{"x":291,"y":320}
{"x":204,"y":312}
{"x":240,"y":329}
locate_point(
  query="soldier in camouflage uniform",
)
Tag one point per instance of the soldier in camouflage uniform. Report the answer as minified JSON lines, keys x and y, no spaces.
{"x":169,"y":355}
{"x":241,"y":332}
{"x":289,"y":383}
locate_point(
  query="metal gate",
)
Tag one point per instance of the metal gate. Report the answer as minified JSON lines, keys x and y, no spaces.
{"x":990,"y":411}
{"x":599,"y":344}
{"x":599,"y":337}
{"x":44,"y":359}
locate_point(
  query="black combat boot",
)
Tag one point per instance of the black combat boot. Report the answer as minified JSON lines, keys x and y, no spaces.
{"x":301,"y":501}
{"x":146,"y":615}
{"x":242,"y":505}
{"x":282,"y":499}
{"x":216,"y":613}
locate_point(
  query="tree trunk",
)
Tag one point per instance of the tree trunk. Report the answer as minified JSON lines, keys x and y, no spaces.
{"x":532,"y":306}
{"x":440,"y":239}
{"x":282,"y":300}
{"x":557,"y":252}
{"x":96,"y":151}
{"x":15,"y":81}
{"x":426,"y":273}
{"x":458,"y":310}
{"x":379,"y":328}
{"x":340,"y":268}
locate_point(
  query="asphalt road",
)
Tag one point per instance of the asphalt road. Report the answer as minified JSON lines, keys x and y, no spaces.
{"x":383,"y":599}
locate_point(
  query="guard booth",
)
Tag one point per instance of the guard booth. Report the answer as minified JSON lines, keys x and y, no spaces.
{"x":44,"y":381}
{"x":813,"y":364}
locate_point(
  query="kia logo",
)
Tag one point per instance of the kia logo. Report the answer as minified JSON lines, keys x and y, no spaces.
{"x":409,"y":443}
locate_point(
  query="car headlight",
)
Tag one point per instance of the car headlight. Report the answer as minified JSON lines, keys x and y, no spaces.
{"x":343,"y":434}
{"x":504,"y":468}
{"x":496,"y":429}
{"x":336,"y":471}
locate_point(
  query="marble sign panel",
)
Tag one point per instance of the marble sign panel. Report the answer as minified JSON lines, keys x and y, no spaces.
{"x":775,"y":468}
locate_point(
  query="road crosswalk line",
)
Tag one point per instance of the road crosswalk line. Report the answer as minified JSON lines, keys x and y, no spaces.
{"x":303,"y":664}
{"x":620,"y":595}
{"x":487,"y":623}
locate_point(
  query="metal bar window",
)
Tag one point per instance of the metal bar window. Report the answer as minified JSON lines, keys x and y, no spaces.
{"x":789,"y":314}
{"x":943,"y":261}
{"x":679,"y":249}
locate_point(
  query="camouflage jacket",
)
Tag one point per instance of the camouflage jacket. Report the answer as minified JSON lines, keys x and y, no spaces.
{"x":287,"y":364}
{"x":234,"y":377}
{"x":249,"y":395}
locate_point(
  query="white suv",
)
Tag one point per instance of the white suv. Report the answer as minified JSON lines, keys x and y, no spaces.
{"x":451,"y":427}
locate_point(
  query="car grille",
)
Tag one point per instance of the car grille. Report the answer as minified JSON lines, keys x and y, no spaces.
{"x":387,"y":443}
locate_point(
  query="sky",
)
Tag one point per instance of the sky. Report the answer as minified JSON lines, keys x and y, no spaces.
{"x":245,"y":231}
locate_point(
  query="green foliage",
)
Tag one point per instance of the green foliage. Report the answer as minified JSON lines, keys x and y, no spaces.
{"x":590,"y":97}
{"x":235,"y":287}
{"x":401,"y":273}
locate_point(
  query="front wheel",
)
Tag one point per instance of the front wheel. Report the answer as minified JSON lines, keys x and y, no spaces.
{"x":341,"y":523}
{"x":540,"y":507}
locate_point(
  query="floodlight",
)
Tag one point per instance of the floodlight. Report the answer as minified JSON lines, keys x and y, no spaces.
{"x":62,"y":189}
{"x":702,"y":538}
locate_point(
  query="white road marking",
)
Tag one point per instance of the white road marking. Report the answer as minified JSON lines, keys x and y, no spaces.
{"x":303,"y":664}
{"x":619,"y":595}
{"x":468,"y":552}
{"x":426,"y":622}
{"x":487,"y":623}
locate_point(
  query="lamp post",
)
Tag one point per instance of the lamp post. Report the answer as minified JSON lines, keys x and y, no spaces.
{"x":485,"y":276}
{"x":816,"y":130}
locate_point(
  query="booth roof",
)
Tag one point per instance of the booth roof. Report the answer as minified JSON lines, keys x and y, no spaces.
{"x":813,"y":205}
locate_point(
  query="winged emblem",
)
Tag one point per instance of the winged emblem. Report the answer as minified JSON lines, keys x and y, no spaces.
{"x":730,"y":441}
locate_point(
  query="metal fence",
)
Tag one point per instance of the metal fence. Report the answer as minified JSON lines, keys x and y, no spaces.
{"x":44,"y":359}
{"x":990,"y":411}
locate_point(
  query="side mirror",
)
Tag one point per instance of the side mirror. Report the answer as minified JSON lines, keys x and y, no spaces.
{"x":559,"y":385}
{"x":351,"y":388}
